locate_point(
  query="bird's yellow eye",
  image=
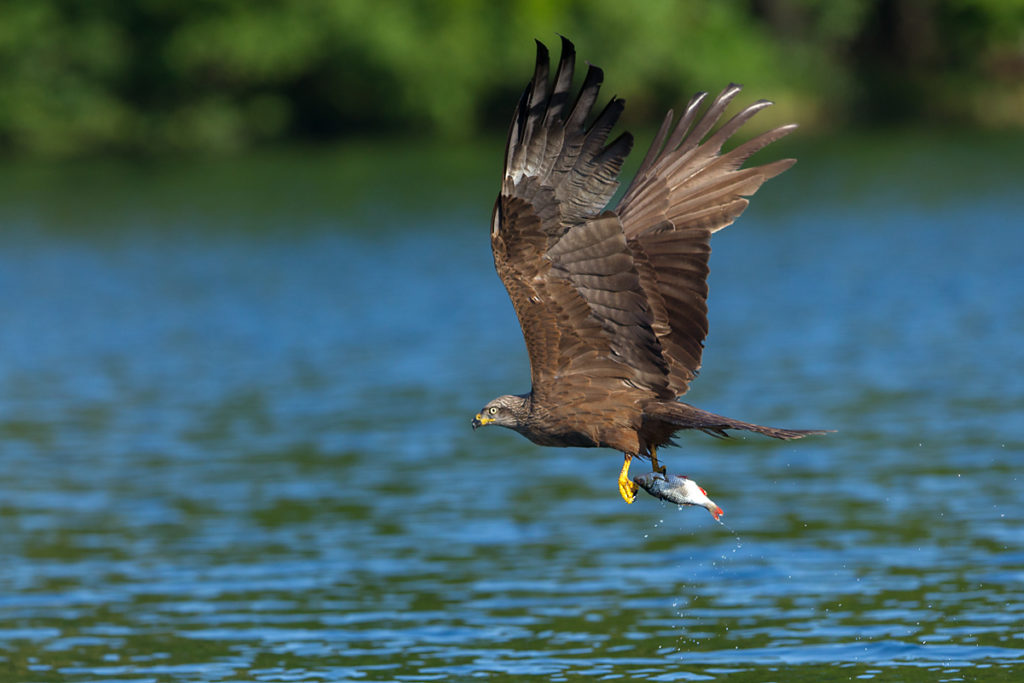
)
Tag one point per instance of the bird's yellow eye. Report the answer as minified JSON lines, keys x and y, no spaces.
{"x":493,"y":410}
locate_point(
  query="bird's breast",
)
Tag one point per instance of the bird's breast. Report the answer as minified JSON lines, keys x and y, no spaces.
{"x":546,"y":431}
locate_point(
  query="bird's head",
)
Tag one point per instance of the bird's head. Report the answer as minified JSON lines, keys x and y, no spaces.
{"x":504,"y":411}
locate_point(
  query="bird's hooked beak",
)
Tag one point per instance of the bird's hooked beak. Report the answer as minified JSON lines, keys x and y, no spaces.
{"x":481,"y":421}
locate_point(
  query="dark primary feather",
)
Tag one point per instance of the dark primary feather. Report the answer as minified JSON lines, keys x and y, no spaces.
{"x":560,"y":153}
{"x":612,"y":303}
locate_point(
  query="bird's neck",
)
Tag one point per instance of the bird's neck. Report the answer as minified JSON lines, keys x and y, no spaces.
{"x":524,"y":405}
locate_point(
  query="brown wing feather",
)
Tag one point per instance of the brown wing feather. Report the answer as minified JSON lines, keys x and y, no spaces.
{"x":554,"y":161}
{"x":570,"y":274}
{"x":561,"y":336}
{"x":615,"y":301}
{"x":684,"y":191}
{"x":595,"y":258}
{"x":580,"y":304}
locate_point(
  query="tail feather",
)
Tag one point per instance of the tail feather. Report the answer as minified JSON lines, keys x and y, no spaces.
{"x":686,"y":416}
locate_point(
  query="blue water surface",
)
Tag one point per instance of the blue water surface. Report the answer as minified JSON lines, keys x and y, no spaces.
{"x":234,"y":433}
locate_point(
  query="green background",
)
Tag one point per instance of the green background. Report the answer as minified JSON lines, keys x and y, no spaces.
{"x":159,"y":76}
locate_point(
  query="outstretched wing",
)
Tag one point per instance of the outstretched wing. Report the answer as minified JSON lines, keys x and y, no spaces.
{"x":567,"y":267}
{"x":684,"y":191}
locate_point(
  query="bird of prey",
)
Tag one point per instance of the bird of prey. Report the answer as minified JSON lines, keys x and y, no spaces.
{"x":613,"y":301}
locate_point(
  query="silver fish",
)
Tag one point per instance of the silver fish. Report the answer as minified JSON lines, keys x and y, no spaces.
{"x":677,"y":489}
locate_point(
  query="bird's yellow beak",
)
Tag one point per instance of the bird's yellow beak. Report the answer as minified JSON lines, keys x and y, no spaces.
{"x":480,"y":421}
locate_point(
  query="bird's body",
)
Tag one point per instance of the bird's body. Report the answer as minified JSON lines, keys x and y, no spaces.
{"x":612,"y":302}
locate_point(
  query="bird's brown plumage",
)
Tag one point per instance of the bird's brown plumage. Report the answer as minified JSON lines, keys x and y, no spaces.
{"x":613,"y":302}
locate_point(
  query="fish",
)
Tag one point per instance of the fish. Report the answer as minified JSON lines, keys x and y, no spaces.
{"x":678,"y":489}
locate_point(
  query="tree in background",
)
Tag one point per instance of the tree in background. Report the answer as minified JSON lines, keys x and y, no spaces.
{"x":153,"y":76}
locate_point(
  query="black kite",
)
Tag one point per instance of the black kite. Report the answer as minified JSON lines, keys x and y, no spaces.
{"x":613,"y":302}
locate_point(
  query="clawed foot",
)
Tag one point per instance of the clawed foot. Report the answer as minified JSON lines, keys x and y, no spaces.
{"x":627,"y":489}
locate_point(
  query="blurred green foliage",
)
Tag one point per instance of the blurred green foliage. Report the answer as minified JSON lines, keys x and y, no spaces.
{"x":154,"y":76}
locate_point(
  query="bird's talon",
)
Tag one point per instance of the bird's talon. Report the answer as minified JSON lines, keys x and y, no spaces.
{"x":627,"y":490}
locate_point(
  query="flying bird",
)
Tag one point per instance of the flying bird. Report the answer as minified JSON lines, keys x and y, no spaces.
{"x":613,"y":301}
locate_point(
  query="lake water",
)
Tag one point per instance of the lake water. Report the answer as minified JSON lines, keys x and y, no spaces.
{"x":234,"y":432}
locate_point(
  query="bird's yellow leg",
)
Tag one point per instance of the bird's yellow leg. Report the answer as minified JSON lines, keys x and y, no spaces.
{"x":655,"y":465}
{"x":627,"y":489}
